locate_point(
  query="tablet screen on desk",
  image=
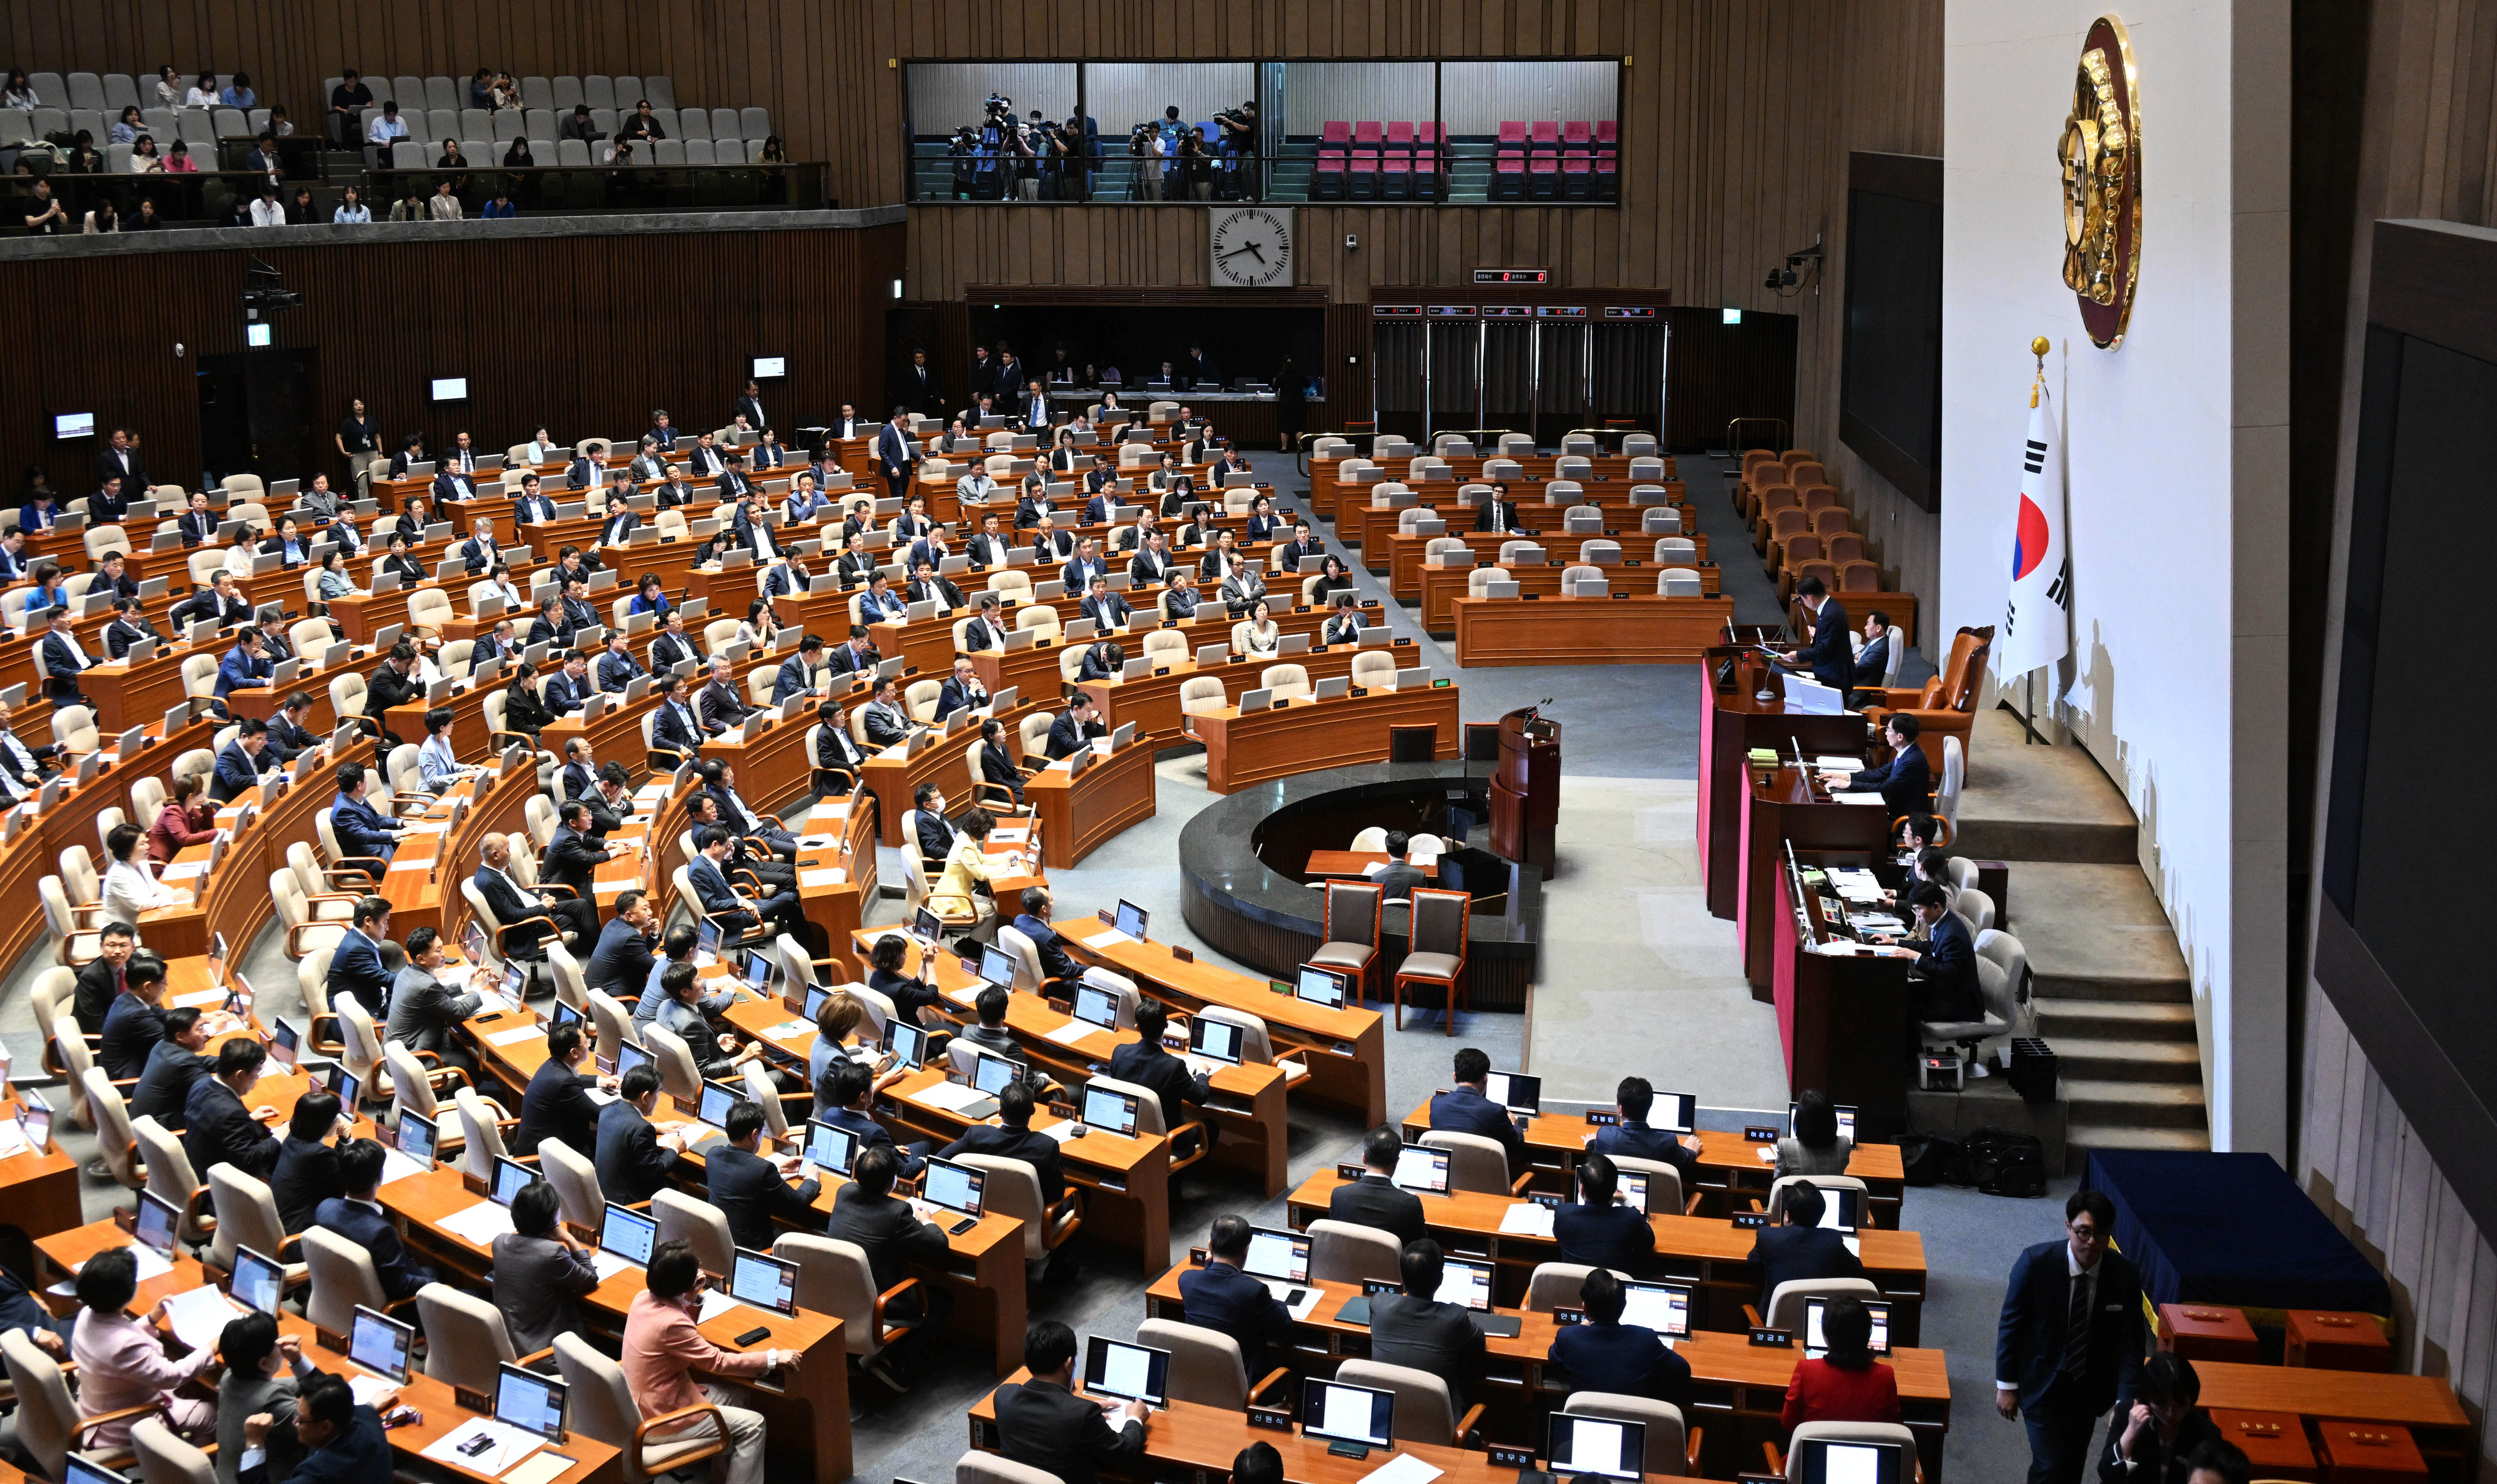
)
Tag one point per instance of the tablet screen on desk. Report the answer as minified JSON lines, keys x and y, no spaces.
{"x":996,"y":966}
{"x":1665,"y":1308}
{"x":716,"y":1101}
{"x":258,"y":1281}
{"x":1351,"y":1413}
{"x":1514,"y":1091}
{"x":954,"y":1186}
{"x":1467,"y":1283}
{"x":906,"y":1042}
{"x":1816,"y":1345}
{"x":415,"y":1138}
{"x":628,"y":1233}
{"x":1131,"y":1372}
{"x":1131,"y":920}
{"x":1630,"y":1189}
{"x":993,"y":1075}
{"x":529,"y":1401}
{"x":157,"y":1220}
{"x":1219,"y":1040}
{"x":1278,"y":1255}
{"x":1422,"y":1169}
{"x":629,"y":1056}
{"x":1110,"y":1111}
{"x":1597,"y":1445}
{"x":829,"y":1148}
{"x":1320,"y":987}
{"x":84,"y":1470}
{"x":1846,"y":1120}
{"x":1674,"y":1113}
{"x":1098,"y":1007}
{"x":380,"y":1344}
{"x":510,"y":1178}
{"x":765,"y":1282}
{"x":1829,"y":1461}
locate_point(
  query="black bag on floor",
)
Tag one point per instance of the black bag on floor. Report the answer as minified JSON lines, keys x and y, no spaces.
{"x":1926,"y":1156}
{"x":2001,"y":1162}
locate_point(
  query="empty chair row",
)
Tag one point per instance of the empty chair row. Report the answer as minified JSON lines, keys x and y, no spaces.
{"x":112,"y":91}
{"x":552,"y":93}
{"x":1546,"y":135}
{"x":1400,"y":135}
{"x":547,"y":123}
{"x":574,"y":154}
{"x":193,"y":126}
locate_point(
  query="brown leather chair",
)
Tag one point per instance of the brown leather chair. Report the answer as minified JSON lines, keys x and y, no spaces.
{"x":1844,"y":547}
{"x":1349,"y":927}
{"x":1945,"y":706}
{"x":1786,"y":554}
{"x":1818,"y":497}
{"x":1830,"y":519}
{"x":1804,"y":469}
{"x":1439,"y":920}
{"x":1783,"y":523}
{"x":1774,"y":498}
{"x":1859,"y":576}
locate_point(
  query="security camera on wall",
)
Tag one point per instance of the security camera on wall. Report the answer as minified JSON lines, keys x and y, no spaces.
{"x":1351,"y":241}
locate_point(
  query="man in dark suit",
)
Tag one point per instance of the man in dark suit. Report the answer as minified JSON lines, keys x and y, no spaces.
{"x":244,"y":665}
{"x":1944,"y":975}
{"x":1056,"y":965}
{"x":1303,"y":546}
{"x":750,"y":405}
{"x":987,"y":628}
{"x":557,"y":1104}
{"x":1828,"y":656}
{"x":571,"y":857}
{"x":990,"y":548}
{"x":1144,"y":1062}
{"x":844,"y":1096}
{"x":672,"y":646}
{"x":897,"y":453}
{"x":748,"y":1188}
{"x":64,"y":661}
{"x":1222,"y":1297}
{"x":223,"y":1128}
{"x":894,"y":1237}
{"x":733,"y":910}
{"x":1412,"y":1328}
{"x":362,"y":830}
{"x":719,"y":704}
{"x":880,"y":604}
{"x":1086,"y":566}
{"x":1012,"y":1138}
{"x":393,"y":682}
{"x":426,"y":1014}
{"x":356,"y":966}
{"x":343,"y":1437}
{"x":129,"y":627}
{"x":1906,"y":782}
{"x":479,"y":551}
{"x":1633,"y":1138}
{"x":1103,"y":607}
{"x":1375,"y":1199}
{"x":533,"y":507}
{"x":1042,"y":1423}
{"x":220,"y":603}
{"x":579,"y":775}
{"x":1604,"y":1354}
{"x":1074,"y":728}
{"x":243,"y":761}
{"x":1598,"y":1231}
{"x":962,"y":688}
{"x":1803,"y":1249}
{"x":1873,"y":661}
{"x":107,"y":507}
{"x":1397,"y":878}
{"x":673,"y":726}
{"x":198,"y":524}
{"x":622,"y":963}
{"x":2068,"y":1348}
{"x":1050,"y":545}
{"x":1499,"y":513}
{"x":797,"y":673}
{"x":576,"y":916}
{"x":633,"y":1157}
{"x":359,"y":1217}
{"x":856,"y":564}
{"x":164,"y":1090}
{"x":288,"y":737}
{"x":119,"y":460}
{"x":1463,"y":1108}
{"x":454,"y":485}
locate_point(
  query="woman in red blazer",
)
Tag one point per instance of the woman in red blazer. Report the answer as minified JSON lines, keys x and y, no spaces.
{"x":1848,"y":1385}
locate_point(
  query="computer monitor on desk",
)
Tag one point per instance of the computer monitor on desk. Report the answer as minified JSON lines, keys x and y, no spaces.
{"x":380,"y":1344}
{"x":1515,"y":1091}
{"x":1835,"y":1461}
{"x":1576,"y":1446}
{"x":1846,"y":1120}
{"x":1353,"y":1419}
{"x":1815,"y":1342}
{"x":1663,"y":1307}
{"x":1422,"y":1169}
{"x":1322,"y":987}
{"x":1129,"y":1373}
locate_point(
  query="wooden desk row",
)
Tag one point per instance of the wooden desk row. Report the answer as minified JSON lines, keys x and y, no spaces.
{"x":1443,"y":586}
{"x":1330,"y":494}
{"x":1405,"y":560}
{"x":1713,"y":1256}
{"x":1303,"y":735}
{"x":1635,"y":628}
{"x":1369,"y":525}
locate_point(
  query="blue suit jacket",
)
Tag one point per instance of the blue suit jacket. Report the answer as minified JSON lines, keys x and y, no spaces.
{"x":1786,"y":1253}
{"x":1464,"y":1111}
{"x":1622,"y":1357}
{"x":1639,"y":1142}
{"x":1831,"y":658}
{"x":2036,"y":1316}
{"x":870,"y":1132}
{"x":1219,"y":1297}
{"x":400,"y":1275}
{"x":562,"y":696}
{"x":359,"y":1454}
{"x":1950,"y":961}
{"x":236,"y":771}
{"x":1614,"y":1236}
{"x":361,"y":829}
{"x":1906,"y":782}
{"x":631,"y":1165}
{"x":356,"y":968}
{"x":240,"y":669}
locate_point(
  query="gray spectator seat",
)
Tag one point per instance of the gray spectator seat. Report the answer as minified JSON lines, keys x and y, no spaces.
{"x":407,"y":155}
{"x":537,"y":93}
{"x":755,"y":123}
{"x":51,"y":91}
{"x":475,"y":124}
{"x":599,"y":92}
{"x":90,"y":121}
{"x":699,"y":152}
{"x":667,"y":120}
{"x":86,"y":91}
{"x":603,"y":120}
{"x":508,"y":125}
{"x":50,"y":120}
{"x":628,"y":93}
{"x":443,"y":93}
{"x":574,"y":154}
{"x":116,"y":157}
{"x":121,"y":90}
{"x":18,"y":126}
{"x":163,"y":123}
{"x":567,"y":92}
{"x":541,"y":124}
{"x":230,"y":123}
{"x":661,"y":91}
{"x":198,"y":132}
{"x":407,"y":90}
{"x":258,"y":120}
{"x":481,"y":151}
{"x":439,"y":124}
{"x":668,"y":152}
{"x":729,"y":151}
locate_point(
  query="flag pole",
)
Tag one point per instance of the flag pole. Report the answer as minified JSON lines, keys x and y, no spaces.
{"x":2029,"y":715}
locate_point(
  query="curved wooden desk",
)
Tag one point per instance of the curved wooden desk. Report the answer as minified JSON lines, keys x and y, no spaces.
{"x":1306,"y":735}
{"x":1620,"y":629}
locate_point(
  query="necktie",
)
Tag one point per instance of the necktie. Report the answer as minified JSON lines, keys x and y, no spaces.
{"x":2076,"y":1334}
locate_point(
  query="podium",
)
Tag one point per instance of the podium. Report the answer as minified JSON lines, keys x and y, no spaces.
{"x":1526,"y":790}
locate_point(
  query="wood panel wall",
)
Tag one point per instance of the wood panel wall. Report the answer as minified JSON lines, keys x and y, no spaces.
{"x":2420,"y":80}
{"x":585,"y":334}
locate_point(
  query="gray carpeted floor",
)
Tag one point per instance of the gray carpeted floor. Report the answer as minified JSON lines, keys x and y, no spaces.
{"x":1630,"y":733}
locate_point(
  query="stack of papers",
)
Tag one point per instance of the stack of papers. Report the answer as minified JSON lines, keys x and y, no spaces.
{"x":13,"y":1138}
{"x":830,"y":876}
{"x":1010,"y":837}
{"x":1062,"y":1130}
{"x":608,"y":1264}
{"x":787,"y":1031}
{"x":1526,"y":1219}
{"x":513,"y":1036}
{"x":367,"y":1389}
{"x":1834,"y":763}
{"x":1403,"y":1469}
{"x":1105,"y":937}
{"x":398,"y":1166}
{"x":505,"y":1445}
{"x":478,"y":1224}
{"x":952,"y":1096}
{"x":182,"y":870}
{"x":1071,"y":1032}
{"x":200,"y":1316}
{"x":1872,"y":798}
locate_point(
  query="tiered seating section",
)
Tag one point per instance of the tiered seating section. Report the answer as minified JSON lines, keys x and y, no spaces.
{"x":434,"y":111}
{"x":91,"y":102}
{"x":1367,"y":160}
{"x":1577,"y":159}
{"x":1372,"y":161}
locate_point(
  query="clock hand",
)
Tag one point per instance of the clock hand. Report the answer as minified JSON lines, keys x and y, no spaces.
{"x":1250,"y":248}
{"x":1259,"y":248}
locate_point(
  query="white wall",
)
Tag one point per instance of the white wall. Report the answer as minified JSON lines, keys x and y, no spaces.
{"x":2177,"y":451}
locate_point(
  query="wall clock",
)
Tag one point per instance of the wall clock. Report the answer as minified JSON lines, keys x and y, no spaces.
{"x":1252,"y":247}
